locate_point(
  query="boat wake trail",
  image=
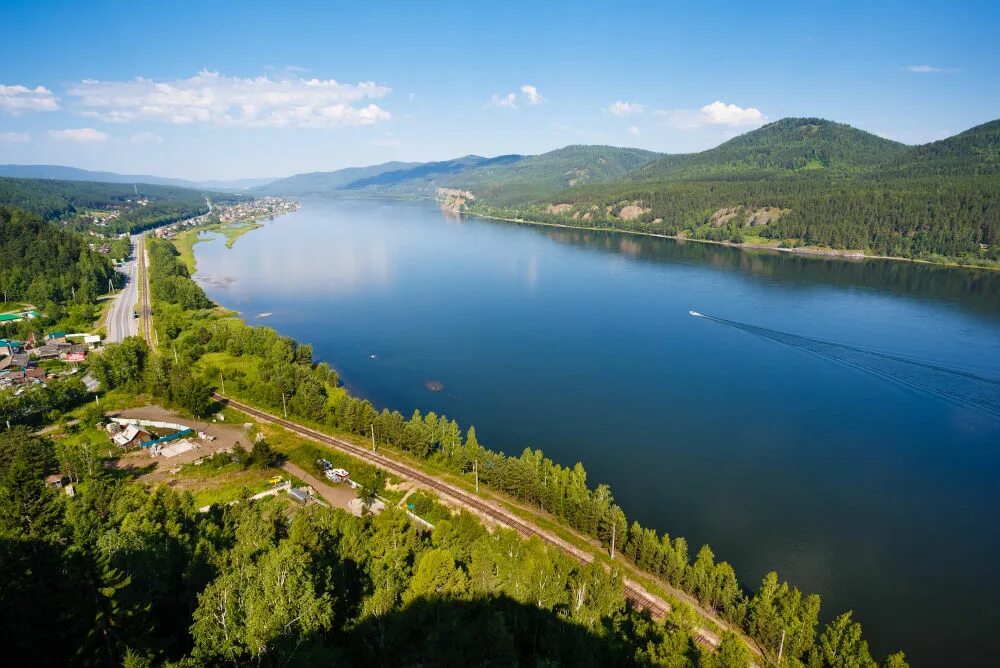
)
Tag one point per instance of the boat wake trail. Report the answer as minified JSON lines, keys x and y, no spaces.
{"x":969,"y":389}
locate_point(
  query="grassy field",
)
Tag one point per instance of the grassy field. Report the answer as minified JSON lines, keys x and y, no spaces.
{"x":14,"y":307}
{"x":228,"y":364}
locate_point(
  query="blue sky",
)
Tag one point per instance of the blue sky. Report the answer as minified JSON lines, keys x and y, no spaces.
{"x":228,"y":90}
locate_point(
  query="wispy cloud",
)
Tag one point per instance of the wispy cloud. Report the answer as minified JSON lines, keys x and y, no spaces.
{"x":146,"y":138}
{"x":508,"y":101}
{"x":209,"y":97}
{"x":620,"y":108}
{"x":17,"y":99}
{"x":15,"y":137}
{"x":928,"y":69}
{"x":633,"y":130}
{"x":79,"y":135}
{"x":531,"y":94}
{"x":717,"y":113}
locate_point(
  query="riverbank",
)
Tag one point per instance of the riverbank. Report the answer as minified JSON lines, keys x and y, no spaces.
{"x":841,"y":254}
{"x":185,"y":241}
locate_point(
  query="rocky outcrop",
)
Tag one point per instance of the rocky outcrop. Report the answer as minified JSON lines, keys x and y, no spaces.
{"x":558,"y":208}
{"x":455,"y":200}
{"x":632,"y":211}
{"x":744,"y":216}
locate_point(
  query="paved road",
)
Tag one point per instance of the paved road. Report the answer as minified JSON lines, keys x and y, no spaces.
{"x":121,"y":321}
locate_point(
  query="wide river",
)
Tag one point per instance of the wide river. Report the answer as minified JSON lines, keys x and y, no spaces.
{"x":840,"y":423}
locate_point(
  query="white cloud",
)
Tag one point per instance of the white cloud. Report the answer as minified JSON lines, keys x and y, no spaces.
{"x":531,"y":94}
{"x":209,"y":97}
{"x":146,"y":138}
{"x":79,"y":135}
{"x":632,"y":130}
{"x":508,"y":101}
{"x":14,"y":137}
{"x":16,"y":99}
{"x":927,"y":69}
{"x":716,"y":113}
{"x":620,"y":108}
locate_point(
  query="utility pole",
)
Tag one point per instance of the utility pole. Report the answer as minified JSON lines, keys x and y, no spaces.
{"x":97,"y":400}
{"x":781,"y":647}
{"x":223,"y":379}
{"x":613,"y":527}
{"x":477,"y":476}
{"x":175,"y":354}
{"x":73,"y":290}
{"x":284,"y":406}
{"x":373,"y":438}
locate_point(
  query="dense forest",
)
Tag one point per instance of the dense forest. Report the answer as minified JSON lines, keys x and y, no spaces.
{"x":69,"y":201}
{"x":267,"y":369}
{"x":41,"y":263}
{"x":803,"y":182}
{"x":121,"y":575}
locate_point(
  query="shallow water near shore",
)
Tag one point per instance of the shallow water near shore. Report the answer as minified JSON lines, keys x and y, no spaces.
{"x":862,"y":476}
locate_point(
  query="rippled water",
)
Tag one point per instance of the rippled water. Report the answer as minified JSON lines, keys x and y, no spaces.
{"x":837,"y":427}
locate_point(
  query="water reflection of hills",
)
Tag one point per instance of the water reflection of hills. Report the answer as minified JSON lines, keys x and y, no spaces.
{"x":975,"y":289}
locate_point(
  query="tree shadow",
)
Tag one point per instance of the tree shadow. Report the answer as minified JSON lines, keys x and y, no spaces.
{"x":489,"y":631}
{"x":128,"y":472}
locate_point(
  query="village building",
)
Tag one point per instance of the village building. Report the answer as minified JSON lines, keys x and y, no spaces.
{"x":131,"y":437}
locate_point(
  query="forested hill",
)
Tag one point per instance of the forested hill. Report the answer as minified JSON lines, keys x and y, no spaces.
{"x":535,"y":175}
{"x":973,"y":152}
{"x":41,"y":263}
{"x":510,"y":178}
{"x":793,"y":183}
{"x":790,"y":144}
{"x":69,"y":201}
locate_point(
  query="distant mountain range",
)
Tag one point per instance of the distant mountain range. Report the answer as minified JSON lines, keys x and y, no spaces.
{"x":61,"y":173}
{"x":795,"y":182}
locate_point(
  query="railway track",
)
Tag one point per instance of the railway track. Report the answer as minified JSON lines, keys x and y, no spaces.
{"x":636,"y":595}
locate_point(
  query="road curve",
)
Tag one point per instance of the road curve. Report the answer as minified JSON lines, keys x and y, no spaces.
{"x":634,"y":593}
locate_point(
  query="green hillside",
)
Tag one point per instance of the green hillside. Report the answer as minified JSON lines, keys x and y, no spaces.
{"x":534,"y":176}
{"x":791,"y":144}
{"x":975,"y":151}
{"x":68,"y":201}
{"x":795,"y":183}
{"x":41,"y":263}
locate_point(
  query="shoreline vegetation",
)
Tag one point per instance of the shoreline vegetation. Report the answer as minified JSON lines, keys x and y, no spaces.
{"x":232,"y":231}
{"x":775,"y":618}
{"x":807,"y":251}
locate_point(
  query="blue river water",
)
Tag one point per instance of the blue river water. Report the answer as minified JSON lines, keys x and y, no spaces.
{"x":837,"y":421}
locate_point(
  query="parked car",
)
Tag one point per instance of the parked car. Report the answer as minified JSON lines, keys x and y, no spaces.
{"x":324,"y":465}
{"x":337,"y":475}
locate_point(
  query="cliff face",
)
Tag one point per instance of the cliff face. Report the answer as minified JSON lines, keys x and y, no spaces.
{"x":453,"y":199}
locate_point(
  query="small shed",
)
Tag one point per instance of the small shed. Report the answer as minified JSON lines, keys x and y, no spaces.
{"x":91,"y":383}
{"x":301,"y":494}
